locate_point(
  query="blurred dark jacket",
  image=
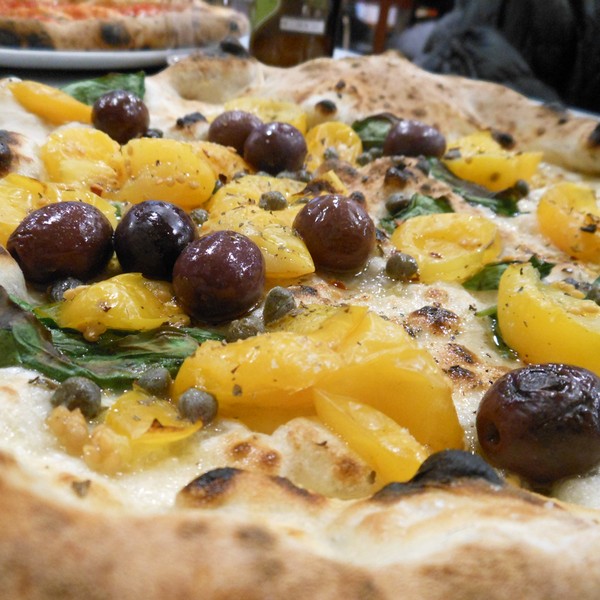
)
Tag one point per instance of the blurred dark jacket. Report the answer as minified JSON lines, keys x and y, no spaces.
{"x":546,"y":49}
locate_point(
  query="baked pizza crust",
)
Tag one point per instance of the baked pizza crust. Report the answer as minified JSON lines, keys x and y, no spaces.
{"x":200,"y":24}
{"x":245,"y":530}
{"x":353,"y":88}
{"x":237,"y":534}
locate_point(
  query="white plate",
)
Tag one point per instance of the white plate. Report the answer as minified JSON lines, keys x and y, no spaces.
{"x":66,"y":60}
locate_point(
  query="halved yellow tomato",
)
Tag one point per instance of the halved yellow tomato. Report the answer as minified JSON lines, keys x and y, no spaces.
{"x":145,"y":419}
{"x":83,"y":156}
{"x":18,"y":196}
{"x":273,"y":370}
{"x":482,"y":160}
{"x":332,"y":135}
{"x":569,"y":215}
{"x":448,"y":246}
{"x":50,"y":103}
{"x":386,"y":369}
{"x":543,"y":323}
{"x":162,"y":169}
{"x":127,"y":302}
{"x":390,"y":449}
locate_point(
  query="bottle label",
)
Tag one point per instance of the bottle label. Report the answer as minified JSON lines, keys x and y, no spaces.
{"x":300,"y":25}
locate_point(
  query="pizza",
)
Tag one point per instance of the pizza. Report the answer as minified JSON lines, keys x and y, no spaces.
{"x":116,"y":24}
{"x":329,"y":331}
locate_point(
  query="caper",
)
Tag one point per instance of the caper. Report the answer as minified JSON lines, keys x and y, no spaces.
{"x":56,"y":292}
{"x":156,"y":381}
{"x":594,"y":293}
{"x":401,"y":266}
{"x":396,"y":202}
{"x":198,"y":405}
{"x":199,"y":216}
{"x":241,"y":329}
{"x":78,"y":393}
{"x":272,"y":200}
{"x":278,"y":303}
{"x":331,"y":153}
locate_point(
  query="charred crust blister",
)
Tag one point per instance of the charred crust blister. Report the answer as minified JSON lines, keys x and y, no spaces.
{"x":326,"y":107}
{"x":442,"y":468}
{"x":115,"y":34}
{"x":189,"y":120}
{"x":437,"y":320}
{"x":210,"y":485}
{"x":593,"y":140}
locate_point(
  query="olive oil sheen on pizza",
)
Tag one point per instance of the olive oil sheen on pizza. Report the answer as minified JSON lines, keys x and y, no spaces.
{"x":288,"y":32}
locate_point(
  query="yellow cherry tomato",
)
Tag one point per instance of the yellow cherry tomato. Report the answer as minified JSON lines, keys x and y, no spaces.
{"x":386,"y":369}
{"x":126,"y":302}
{"x":163,"y":169}
{"x":147,"y":420}
{"x":390,"y":449}
{"x":482,"y":160}
{"x":448,"y":246}
{"x":84,"y":156}
{"x":50,"y":103}
{"x":569,"y":215}
{"x":543,"y":323}
{"x":16,"y":200}
{"x":333,"y":135}
{"x":268,"y":110}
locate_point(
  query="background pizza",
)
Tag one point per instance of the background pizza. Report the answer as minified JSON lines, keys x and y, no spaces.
{"x":116,"y":25}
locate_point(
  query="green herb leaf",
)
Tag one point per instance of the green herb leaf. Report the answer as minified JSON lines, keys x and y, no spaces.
{"x":503,"y":348}
{"x":503,"y":203}
{"x":113,"y":362}
{"x":89,"y":90}
{"x":373,"y":130}
{"x":419,"y":205}
{"x":489,"y":277}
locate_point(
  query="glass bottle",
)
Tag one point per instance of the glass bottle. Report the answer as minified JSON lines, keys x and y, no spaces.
{"x":288,"y":32}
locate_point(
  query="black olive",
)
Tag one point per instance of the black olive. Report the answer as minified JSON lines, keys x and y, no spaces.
{"x":337,"y":231}
{"x":272,"y":200}
{"x":56,"y":292}
{"x":414,"y":138}
{"x":275,"y":147}
{"x":219,"y":277}
{"x":542,"y":421}
{"x":156,"y":381}
{"x":121,"y":115}
{"x":197,"y":405}
{"x":62,"y":239}
{"x":150,"y":237}
{"x":78,"y":393}
{"x":232,"y":127}
{"x":278,"y":303}
{"x":401,"y":266}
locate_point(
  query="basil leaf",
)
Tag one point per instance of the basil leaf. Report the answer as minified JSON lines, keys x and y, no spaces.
{"x":89,"y":90}
{"x":542,"y":266}
{"x":374,"y":129}
{"x":503,"y":203}
{"x":489,"y":277}
{"x":418,"y":205}
{"x":115,"y":361}
{"x":503,"y":348}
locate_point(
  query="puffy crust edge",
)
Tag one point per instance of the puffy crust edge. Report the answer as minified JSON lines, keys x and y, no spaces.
{"x":198,"y":25}
{"x":485,"y":542}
